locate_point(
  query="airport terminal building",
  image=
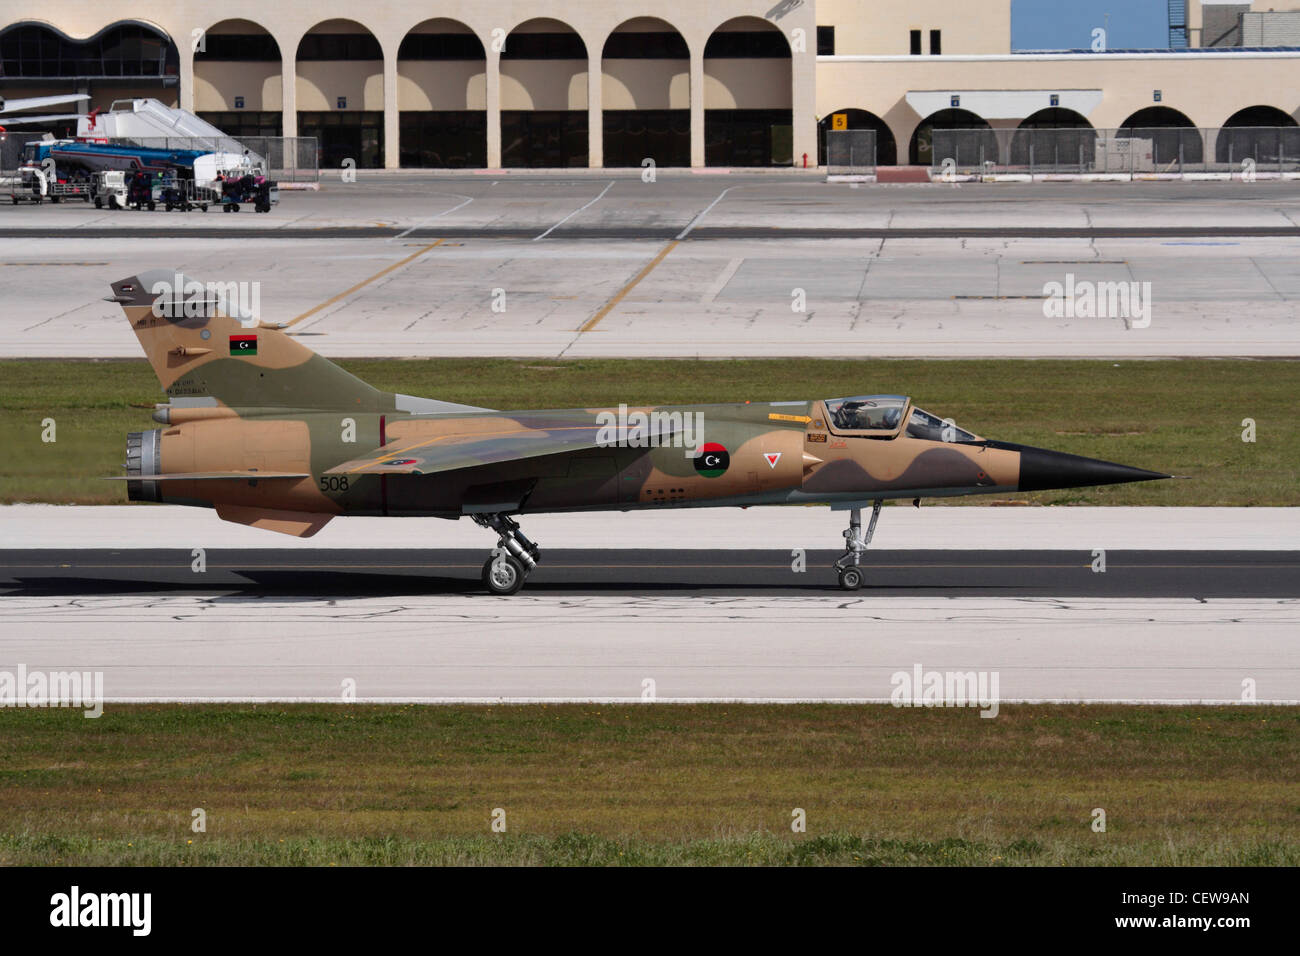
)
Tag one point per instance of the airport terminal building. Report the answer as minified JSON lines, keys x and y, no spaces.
{"x":610,"y":83}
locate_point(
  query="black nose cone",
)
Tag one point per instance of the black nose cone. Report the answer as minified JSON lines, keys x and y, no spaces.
{"x":1041,"y":469}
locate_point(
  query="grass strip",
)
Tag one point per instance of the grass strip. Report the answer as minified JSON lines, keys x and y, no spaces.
{"x":668,"y":784}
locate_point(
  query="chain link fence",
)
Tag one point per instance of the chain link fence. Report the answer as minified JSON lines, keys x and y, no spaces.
{"x":1168,"y":151}
{"x":290,"y":159}
{"x":850,"y":154}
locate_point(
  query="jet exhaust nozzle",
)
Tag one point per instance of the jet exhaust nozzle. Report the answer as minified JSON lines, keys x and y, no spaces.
{"x":143,"y":456}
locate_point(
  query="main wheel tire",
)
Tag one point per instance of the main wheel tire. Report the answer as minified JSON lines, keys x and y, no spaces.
{"x":99,"y":203}
{"x":503,"y":575}
{"x":850,"y":578}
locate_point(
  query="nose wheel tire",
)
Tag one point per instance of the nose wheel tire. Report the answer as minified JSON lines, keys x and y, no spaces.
{"x":850,"y":578}
{"x":503,"y":574}
{"x":855,"y":546}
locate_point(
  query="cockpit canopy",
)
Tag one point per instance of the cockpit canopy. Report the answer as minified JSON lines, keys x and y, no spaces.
{"x":933,"y":428}
{"x":882,"y":413}
{"x":881,"y":416}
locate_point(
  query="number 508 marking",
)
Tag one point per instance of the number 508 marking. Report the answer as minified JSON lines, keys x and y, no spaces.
{"x":334,"y":483}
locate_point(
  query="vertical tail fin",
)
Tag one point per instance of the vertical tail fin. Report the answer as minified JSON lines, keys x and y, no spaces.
{"x":207,"y":348}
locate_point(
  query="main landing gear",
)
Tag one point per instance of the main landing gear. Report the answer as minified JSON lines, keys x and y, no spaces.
{"x":855,"y":546}
{"x":514,"y":557}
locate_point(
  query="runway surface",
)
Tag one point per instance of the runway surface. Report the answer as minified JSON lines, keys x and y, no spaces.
{"x":607,"y":265}
{"x":410,"y":622}
{"x":739,"y":573}
{"x":128,"y":528}
{"x":573,"y":298}
{"x":634,"y":646}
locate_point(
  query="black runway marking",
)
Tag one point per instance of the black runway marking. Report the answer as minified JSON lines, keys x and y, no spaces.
{"x":333,"y":572}
{"x":660,"y":233}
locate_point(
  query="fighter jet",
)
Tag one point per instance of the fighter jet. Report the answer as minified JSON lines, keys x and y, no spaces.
{"x":272,"y":435}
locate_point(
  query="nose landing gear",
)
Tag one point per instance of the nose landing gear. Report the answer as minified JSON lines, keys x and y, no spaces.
{"x":514,"y":557}
{"x":847,"y":566}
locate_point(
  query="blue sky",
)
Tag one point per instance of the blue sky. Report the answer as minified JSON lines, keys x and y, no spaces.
{"x":1068,"y":24}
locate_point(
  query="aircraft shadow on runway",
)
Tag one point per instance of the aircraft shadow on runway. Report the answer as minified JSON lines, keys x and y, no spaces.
{"x":351,"y":584}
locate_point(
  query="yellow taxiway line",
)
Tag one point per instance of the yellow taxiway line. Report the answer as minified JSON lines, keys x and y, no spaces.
{"x":362,"y":284}
{"x":608,"y":307}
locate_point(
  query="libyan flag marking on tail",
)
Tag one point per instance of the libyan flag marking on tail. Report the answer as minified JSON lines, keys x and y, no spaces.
{"x":243,"y":345}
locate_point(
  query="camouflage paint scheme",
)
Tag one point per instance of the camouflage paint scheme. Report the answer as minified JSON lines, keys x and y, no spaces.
{"x":259,"y":436}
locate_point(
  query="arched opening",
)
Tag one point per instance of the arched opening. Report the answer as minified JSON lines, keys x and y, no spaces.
{"x":1264,"y":135}
{"x":968,"y":150}
{"x":748,"y":117}
{"x":1055,"y":117}
{"x":1158,"y":117}
{"x":1055,"y":136}
{"x":645,"y":94}
{"x":886,"y":147}
{"x":238,"y":86}
{"x":127,"y":59}
{"x":442,"y":96}
{"x":544,"y":96}
{"x":1255,"y":116}
{"x":340,"y":89}
{"x":1175,"y":140}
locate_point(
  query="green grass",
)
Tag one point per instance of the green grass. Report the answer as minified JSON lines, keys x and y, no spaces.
{"x":1179,"y":416}
{"x":666,"y":784}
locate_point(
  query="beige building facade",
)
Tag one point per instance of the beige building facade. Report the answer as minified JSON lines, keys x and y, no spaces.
{"x":597,"y":83}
